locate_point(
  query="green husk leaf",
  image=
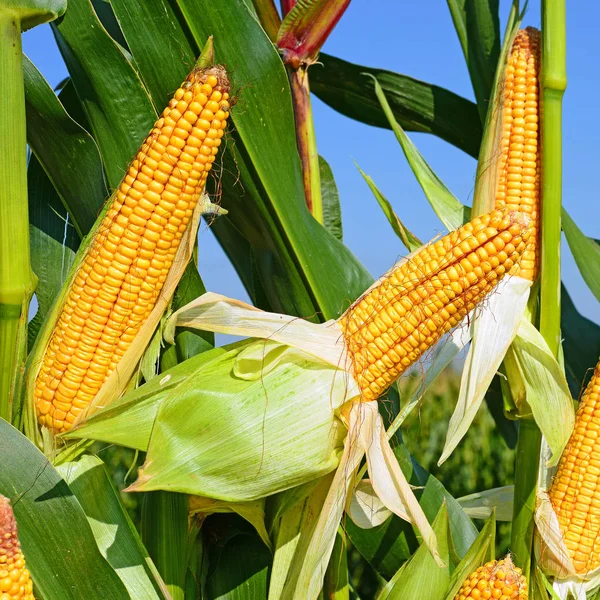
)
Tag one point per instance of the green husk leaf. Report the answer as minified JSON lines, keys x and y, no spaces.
{"x":421,"y":576}
{"x":484,"y":196}
{"x":128,"y":421}
{"x":411,"y":242}
{"x":446,"y":206}
{"x":479,"y":553}
{"x":294,"y":533}
{"x":546,"y":389}
{"x":197,"y":447}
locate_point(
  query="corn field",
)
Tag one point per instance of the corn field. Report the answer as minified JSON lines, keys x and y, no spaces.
{"x":431,"y":433}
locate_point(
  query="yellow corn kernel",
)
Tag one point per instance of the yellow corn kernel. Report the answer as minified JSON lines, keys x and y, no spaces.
{"x":419,"y":300}
{"x":109,"y":309}
{"x":518,"y":184}
{"x":15,"y":580}
{"x":496,"y":579}
{"x":575,"y":490}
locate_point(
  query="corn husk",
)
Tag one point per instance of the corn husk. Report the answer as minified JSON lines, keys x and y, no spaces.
{"x":551,"y":552}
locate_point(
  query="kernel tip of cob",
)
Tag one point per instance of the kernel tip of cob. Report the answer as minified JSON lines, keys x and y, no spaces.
{"x":15,"y":579}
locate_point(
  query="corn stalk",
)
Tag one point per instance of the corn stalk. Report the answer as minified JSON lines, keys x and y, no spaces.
{"x":553,"y":86}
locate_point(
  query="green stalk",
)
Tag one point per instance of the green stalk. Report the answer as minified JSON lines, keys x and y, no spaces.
{"x":17,"y":281}
{"x":307,"y":143}
{"x":554,"y":82}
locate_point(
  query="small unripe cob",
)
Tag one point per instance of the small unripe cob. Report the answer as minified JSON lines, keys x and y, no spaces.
{"x":575,"y":489}
{"x":122,"y":273}
{"x":518,"y":186}
{"x":15,"y":580}
{"x":498,"y":579}
{"x":417,"y":302}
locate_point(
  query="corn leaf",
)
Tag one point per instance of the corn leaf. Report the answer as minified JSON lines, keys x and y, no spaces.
{"x":164,"y":530}
{"x":261,"y":181}
{"x":416,"y":105}
{"x":197,"y":447}
{"x":450,"y":210}
{"x":581,"y":343}
{"x":586,"y":253}
{"x":103,"y":79}
{"x":479,"y":553}
{"x":478,"y":27}
{"x":411,"y":242}
{"x":53,"y":242}
{"x":56,"y":537}
{"x":115,"y":534}
{"x":67,"y":152}
{"x":421,"y":577}
{"x":388,"y":546}
{"x":238,"y":565}
{"x":332,"y":211}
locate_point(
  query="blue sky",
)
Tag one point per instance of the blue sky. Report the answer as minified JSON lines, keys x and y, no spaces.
{"x":417,"y":38}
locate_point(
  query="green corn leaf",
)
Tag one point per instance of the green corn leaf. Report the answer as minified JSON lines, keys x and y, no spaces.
{"x":586,"y":252}
{"x":115,"y":534}
{"x":332,"y":211}
{"x":50,"y":517}
{"x":450,"y":210}
{"x":421,"y":576}
{"x":479,"y":553}
{"x":477,"y":24}
{"x":409,"y":240}
{"x":416,"y":105}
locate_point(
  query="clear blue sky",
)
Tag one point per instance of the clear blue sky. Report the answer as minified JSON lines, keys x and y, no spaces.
{"x":418,"y":38}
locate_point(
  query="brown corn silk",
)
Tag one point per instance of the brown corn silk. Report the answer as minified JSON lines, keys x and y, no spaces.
{"x":498,"y":579}
{"x":421,"y":299}
{"x":120,"y":277}
{"x":15,"y":580}
{"x":518,"y":184}
{"x":575,"y":489}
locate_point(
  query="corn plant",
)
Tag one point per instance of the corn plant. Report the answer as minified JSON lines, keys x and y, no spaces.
{"x":269,"y":467}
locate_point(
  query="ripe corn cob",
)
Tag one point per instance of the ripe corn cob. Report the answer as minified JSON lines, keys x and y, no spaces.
{"x":419,"y":300}
{"x":126,"y":264}
{"x":15,"y":581}
{"x":575,"y":489}
{"x":496,"y":579}
{"x":518,"y":186}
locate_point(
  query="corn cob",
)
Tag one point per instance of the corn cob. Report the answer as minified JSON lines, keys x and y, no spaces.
{"x":419,"y":300}
{"x":518,"y":184}
{"x":496,"y":579}
{"x":15,"y":581}
{"x":575,"y":489}
{"x":122,"y":273}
